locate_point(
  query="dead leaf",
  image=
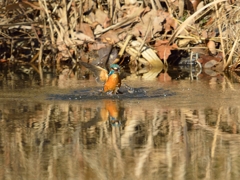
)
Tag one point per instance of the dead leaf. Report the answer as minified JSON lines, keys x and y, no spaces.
{"x":206,"y":58}
{"x":200,"y":49}
{"x":88,"y":6}
{"x":211,"y":47}
{"x":183,"y":42}
{"x":96,"y":46}
{"x":81,"y":37}
{"x":157,"y":24}
{"x":195,"y":4}
{"x":112,"y":37}
{"x":211,"y":20}
{"x":164,"y":49}
{"x":86,"y":29}
{"x":133,"y":10}
{"x":171,"y":23}
{"x":212,"y":73}
{"x":200,"y":5}
{"x":13,"y":6}
{"x":3,"y":60}
{"x":205,"y":34}
{"x":140,"y":28}
{"x":102,"y":18}
{"x":34,"y":5}
{"x":23,"y":3}
{"x":130,"y":2}
{"x":210,"y":64}
{"x":164,"y":77}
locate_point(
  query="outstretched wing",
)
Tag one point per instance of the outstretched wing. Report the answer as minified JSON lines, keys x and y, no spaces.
{"x":101,"y":74}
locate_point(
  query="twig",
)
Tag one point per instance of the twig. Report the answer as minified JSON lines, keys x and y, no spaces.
{"x":231,"y":54}
{"x":40,"y":54}
{"x":153,"y":5}
{"x":81,"y":12}
{"x":35,"y":57}
{"x":220,"y":32}
{"x":125,"y":21}
{"x":129,"y":37}
{"x":111,"y":8}
{"x":145,"y":37}
{"x":142,"y":41}
{"x":190,"y":19}
{"x":158,"y":4}
{"x":44,"y":5}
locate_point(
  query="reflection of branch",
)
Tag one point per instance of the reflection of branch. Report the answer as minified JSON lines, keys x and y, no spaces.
{"x":148,"y":148}
{"x":216,"y":133}
{"x":131,"y":123}
{"x":169,"y":146}
{"x":144,"y":155}
{"x":228,"y":82}
{"x":208,"y":167}
{"x":187,"y":148}
{"x":116,"y":147}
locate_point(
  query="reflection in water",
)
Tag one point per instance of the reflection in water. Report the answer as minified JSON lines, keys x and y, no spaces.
{"x":117,"y":139}
{"x":164,"y":129}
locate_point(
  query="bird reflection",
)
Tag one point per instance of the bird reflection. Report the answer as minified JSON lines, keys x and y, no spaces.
{"x":112,"y":109}
{"x":108,"y":112}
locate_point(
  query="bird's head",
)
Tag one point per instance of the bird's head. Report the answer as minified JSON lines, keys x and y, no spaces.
{"x":115,"y":67}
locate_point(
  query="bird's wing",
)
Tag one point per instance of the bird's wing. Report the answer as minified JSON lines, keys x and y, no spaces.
{"x":100,"y":73}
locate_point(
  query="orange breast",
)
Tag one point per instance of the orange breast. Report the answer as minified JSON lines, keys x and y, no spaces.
{"x":112,"y":83}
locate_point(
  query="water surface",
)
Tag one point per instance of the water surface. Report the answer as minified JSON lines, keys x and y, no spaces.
{"x":61,"y":128}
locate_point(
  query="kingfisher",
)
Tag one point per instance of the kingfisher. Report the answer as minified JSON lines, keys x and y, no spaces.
{"x":112,"y":80}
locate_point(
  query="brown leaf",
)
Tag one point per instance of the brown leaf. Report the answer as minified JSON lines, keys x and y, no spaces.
{"x":34,"y":5}
{"x":3,"y":60}
{"x":205,"y":34}
{"x":88,"y":6}
{"x":155,"y":25}
{"x":127,"y":2}
{"x":189,"y":6}
{"x":210,"y":63}
{"x":102,"y":18}
{"x":82,"y":37}
{"x":112,"y":36}
{"x":195,"y":4}
{"x":200,"y":49}
{"x":206,"y":58}
{"x":211,"y":47}
{"x":13,"y":6}
{"x":164,"y":49}
{"x":183,"y":42}
{"x":133,"y":10}
{"x":171,"y":23}
{"x":96,"y":46}
{"x":86,"y":29}
{"x":164,"y":77}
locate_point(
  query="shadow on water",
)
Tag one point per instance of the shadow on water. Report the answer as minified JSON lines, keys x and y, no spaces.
{"x":173,"y":130}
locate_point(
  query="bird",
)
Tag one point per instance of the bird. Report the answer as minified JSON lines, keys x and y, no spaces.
{"x":112,"y":80}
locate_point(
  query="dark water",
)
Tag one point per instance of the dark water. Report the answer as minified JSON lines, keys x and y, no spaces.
{"x":62,"y":128}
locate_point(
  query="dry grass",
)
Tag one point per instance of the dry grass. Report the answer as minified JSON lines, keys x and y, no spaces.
{"x":50,"y":27}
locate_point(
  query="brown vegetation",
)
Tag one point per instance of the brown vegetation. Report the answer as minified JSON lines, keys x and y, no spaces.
{"x":144,"y":33}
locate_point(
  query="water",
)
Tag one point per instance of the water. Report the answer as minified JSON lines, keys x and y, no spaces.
{"x":61,"y":128}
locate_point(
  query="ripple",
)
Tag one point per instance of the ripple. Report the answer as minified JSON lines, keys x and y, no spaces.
{"x":95,"y":93}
